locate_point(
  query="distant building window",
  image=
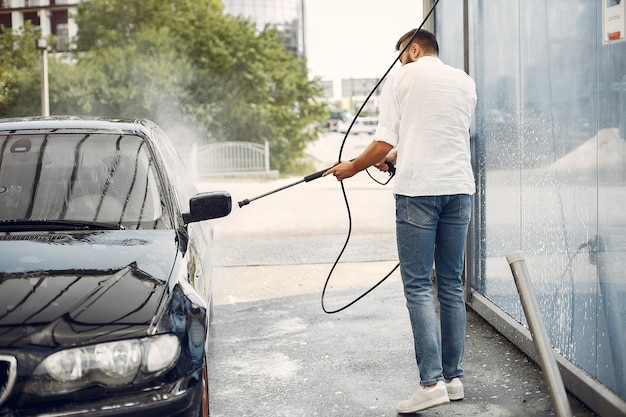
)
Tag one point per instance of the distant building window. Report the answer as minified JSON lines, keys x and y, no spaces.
{"x":5,"y":20}
{"x":13,"y":4}
{"x":63,"y":37}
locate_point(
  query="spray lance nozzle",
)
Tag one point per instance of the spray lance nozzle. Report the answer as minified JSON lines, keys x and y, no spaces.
{"x":308,"y":178}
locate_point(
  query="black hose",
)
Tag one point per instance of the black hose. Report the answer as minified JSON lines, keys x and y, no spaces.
{"x":343,"y":190}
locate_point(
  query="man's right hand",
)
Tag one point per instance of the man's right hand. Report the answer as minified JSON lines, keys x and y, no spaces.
{"x":390,"y":158}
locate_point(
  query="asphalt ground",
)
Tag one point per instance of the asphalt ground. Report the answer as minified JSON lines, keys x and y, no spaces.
{"x":275,"y":352}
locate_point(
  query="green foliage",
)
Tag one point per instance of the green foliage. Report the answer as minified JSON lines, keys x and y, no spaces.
{"x":141,"y":79}
{"x":182,"y":60}
{"x":257,"y":89}
{"x":20,"y":72}
{"x":107,"y":23}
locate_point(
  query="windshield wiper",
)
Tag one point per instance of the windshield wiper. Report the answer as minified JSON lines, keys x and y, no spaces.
{"x":59,"y":224}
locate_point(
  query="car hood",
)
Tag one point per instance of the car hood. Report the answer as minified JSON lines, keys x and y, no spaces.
{"x":64,"y":289}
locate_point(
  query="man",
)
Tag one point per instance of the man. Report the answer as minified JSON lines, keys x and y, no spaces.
{"x":426,"y":111}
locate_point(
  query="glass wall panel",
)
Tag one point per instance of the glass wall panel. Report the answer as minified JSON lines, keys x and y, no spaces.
{"x":449,"y":32}
{"x":550,"y":152}
{"x":608,"y":248}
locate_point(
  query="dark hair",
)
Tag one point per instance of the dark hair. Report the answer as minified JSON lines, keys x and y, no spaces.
{"x":423,"y":38}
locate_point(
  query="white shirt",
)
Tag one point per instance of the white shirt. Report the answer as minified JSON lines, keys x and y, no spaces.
{"x":426,"y":111}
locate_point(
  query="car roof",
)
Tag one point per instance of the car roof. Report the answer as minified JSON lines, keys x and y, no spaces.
{"x":75,"y":123}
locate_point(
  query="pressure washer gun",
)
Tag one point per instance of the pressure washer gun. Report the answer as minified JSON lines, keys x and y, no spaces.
{"x":308,"y":178}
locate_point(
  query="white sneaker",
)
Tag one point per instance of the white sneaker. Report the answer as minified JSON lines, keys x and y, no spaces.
{"x":423,"y":398}
{"x":455,"y":389}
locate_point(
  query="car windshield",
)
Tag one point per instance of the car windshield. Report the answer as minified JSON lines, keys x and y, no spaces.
{"x":59,"y":179}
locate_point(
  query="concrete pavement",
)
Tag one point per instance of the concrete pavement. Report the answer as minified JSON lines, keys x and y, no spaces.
{"x":283,"y":356}
{"x":274,"y":352}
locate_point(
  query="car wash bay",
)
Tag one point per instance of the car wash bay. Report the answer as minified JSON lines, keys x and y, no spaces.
{"x":274,"y":352}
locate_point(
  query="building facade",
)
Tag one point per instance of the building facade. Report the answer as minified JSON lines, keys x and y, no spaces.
{"x":286,"y":15}
{"x":51,"y":17}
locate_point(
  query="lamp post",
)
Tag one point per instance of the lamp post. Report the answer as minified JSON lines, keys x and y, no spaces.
{"x":42,"y":45}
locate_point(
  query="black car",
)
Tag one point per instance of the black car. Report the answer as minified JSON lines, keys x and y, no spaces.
{"x":105,"y":291}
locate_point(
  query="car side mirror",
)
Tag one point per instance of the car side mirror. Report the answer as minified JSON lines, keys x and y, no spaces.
{"x":209,"y":205}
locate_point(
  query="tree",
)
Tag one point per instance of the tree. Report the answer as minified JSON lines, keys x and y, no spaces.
{"x":244,"y":85}
{"x":256,"y":88}
{"x":185,"y":59}
{"x":107,"y":23}
{"x":20,"y":72}
{"x":144,"y":78}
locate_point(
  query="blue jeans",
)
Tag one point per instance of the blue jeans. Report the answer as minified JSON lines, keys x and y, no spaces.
{"x":431,"y":230}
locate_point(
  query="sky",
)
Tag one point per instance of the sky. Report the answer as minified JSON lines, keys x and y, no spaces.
{"x":356,"y":38}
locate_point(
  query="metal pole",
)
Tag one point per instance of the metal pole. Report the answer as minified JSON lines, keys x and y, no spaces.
{"x":541,"y":341}
{"x":622,"y":117}
{"x":42,"y":44}
{"x":429,"y":25}
{"x":303,"y":27}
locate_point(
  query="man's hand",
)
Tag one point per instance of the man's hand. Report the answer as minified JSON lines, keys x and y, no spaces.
{"x":373,"y":153}
{"x":341,"y":170}
{"x":389,"y":158}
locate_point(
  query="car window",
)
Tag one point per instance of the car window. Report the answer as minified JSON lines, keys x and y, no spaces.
{"x":96,"y":177}
{"x":183,"y":184}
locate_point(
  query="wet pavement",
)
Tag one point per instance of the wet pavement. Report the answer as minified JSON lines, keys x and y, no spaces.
{"x":276,"y":353}
{"x":283,"y":356}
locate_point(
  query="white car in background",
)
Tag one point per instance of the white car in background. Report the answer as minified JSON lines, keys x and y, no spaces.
{"x":365,"y":124}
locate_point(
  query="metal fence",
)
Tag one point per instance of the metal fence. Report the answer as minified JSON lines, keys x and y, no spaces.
{"x":233,"y":158}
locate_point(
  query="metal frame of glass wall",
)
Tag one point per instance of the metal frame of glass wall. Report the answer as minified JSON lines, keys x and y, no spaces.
{"x":549,"y":143}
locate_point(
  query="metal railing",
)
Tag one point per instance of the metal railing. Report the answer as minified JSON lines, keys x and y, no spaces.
{"x":229,"y":158}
